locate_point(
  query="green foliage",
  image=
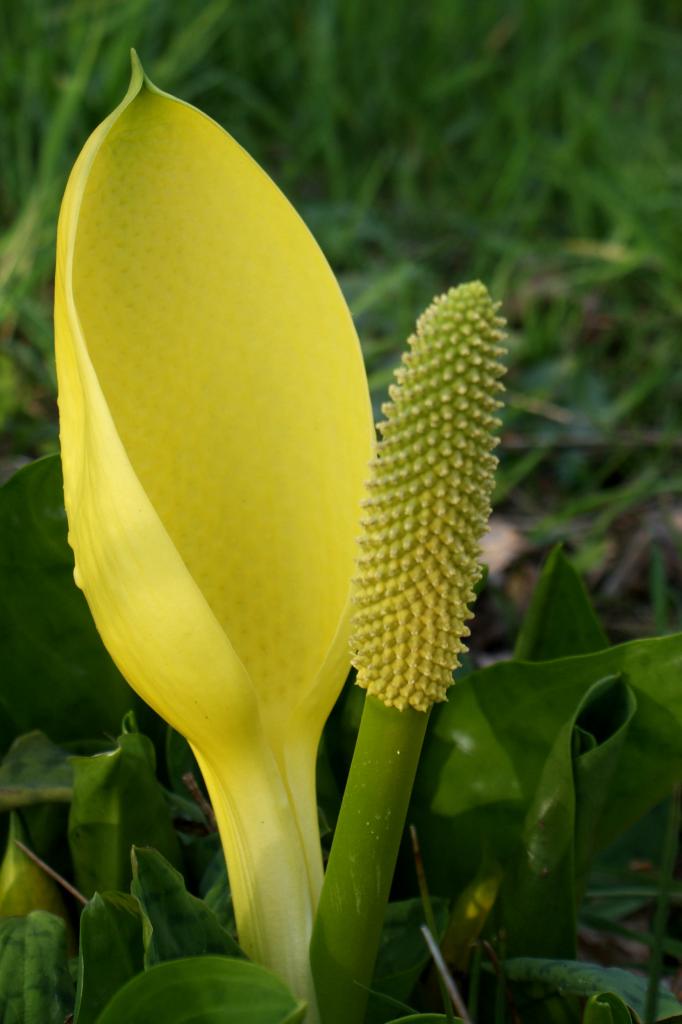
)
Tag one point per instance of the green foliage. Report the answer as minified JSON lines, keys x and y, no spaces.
{"x":110,"y":952}
{"x":10,"y":399}
{"x":62,"y":679}
{"x":24,"y":886}
{"x":425,"y":1018}
{"x":531,"y":768}
{"x":579,"y":979}
{"x":35,"y":985}
{"x":542,"y":764}
{"x":176,"y":924}
{"x":560,"y":620}
{"x":34,"y":771}
{"x":606,"y":1008}
{"x":402,"y":957}
{"x":534,"y":145}
{"x":117,"y":801}
{"x":205,"y":990}
{"x":560,"y":126}
{"x":217,"y":896}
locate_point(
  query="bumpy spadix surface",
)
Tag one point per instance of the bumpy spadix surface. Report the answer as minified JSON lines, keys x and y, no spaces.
{"x":429,"y":501}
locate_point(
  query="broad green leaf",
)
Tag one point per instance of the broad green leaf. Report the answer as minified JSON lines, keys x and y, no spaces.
{"x":215,"y":869}
{"x":499,"y":761}
{"x":606,"y":1008}
{"x":176,"y":924}
{"x":110,"y":951}
{"x":34,"y":771}
{"x":572,"y":977}
{"x":560,"y":620}
{"x":57,"y":675}
{"x":643,"y":841}
{"x":46,"y":826}
{"x":425,"y":1018}
{"x":184,"y":811}
{"x":35,"y":985}
{"x":403,"y":953}
{"x":215,"y":890}
{"x":204,"y":990}
{"x":558,"y":830}
{"x":599,"y":735}
{"x":219,"y":901}
{"x":24,"y":886}
{"x":117,"y":802}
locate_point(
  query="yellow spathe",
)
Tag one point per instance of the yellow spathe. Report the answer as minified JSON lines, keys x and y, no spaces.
{"x":215,"y":430}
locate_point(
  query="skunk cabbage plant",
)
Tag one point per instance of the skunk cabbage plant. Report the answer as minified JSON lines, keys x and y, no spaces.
{"x":215,"y":431}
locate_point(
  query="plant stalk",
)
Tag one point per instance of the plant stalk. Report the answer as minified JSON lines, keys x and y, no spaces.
{"x":363,"y":857}
{"x":266,"y":863}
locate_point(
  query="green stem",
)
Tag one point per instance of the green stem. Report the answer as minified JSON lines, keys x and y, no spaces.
{"x":362,"y":860}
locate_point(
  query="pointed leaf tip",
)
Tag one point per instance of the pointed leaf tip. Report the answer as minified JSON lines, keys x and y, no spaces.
{"x":137,"y":72}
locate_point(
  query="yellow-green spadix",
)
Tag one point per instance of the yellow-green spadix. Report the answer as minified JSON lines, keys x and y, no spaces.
{"x":428,"y":503}
{"x":215,"y":429}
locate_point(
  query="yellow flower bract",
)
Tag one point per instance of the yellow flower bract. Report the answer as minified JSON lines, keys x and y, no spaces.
{"x":215,"y":428}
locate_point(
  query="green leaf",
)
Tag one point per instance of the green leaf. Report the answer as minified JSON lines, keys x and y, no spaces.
{"x":558,"y":830}
{"x":24,"y":886}
{"x":560,"y":620}
{"x":403,"y":953}
{"x":497,"y":775}
{"x":57,"y":675}
{"x":176,"y":924}
{"x":425,"y":1018}
{"x":573,"y":977}
{"x":110,"y":951}
{"x":204,"y":990}
{"x":643,"y":841}
{"x":201,"y":855}
{"x":600,"y":732}
{"x":214,"y":875}
{"x":34,"y":771}
{"x":46,"y":826}
{"x":215,"y":889}
{"x":35,"y":985}
{"x":606,"y":1008}
{"x":117,"y":802}
{"x":469,"y":914}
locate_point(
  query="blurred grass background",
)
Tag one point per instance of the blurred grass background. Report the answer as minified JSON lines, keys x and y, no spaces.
{"x":535,"y":145}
